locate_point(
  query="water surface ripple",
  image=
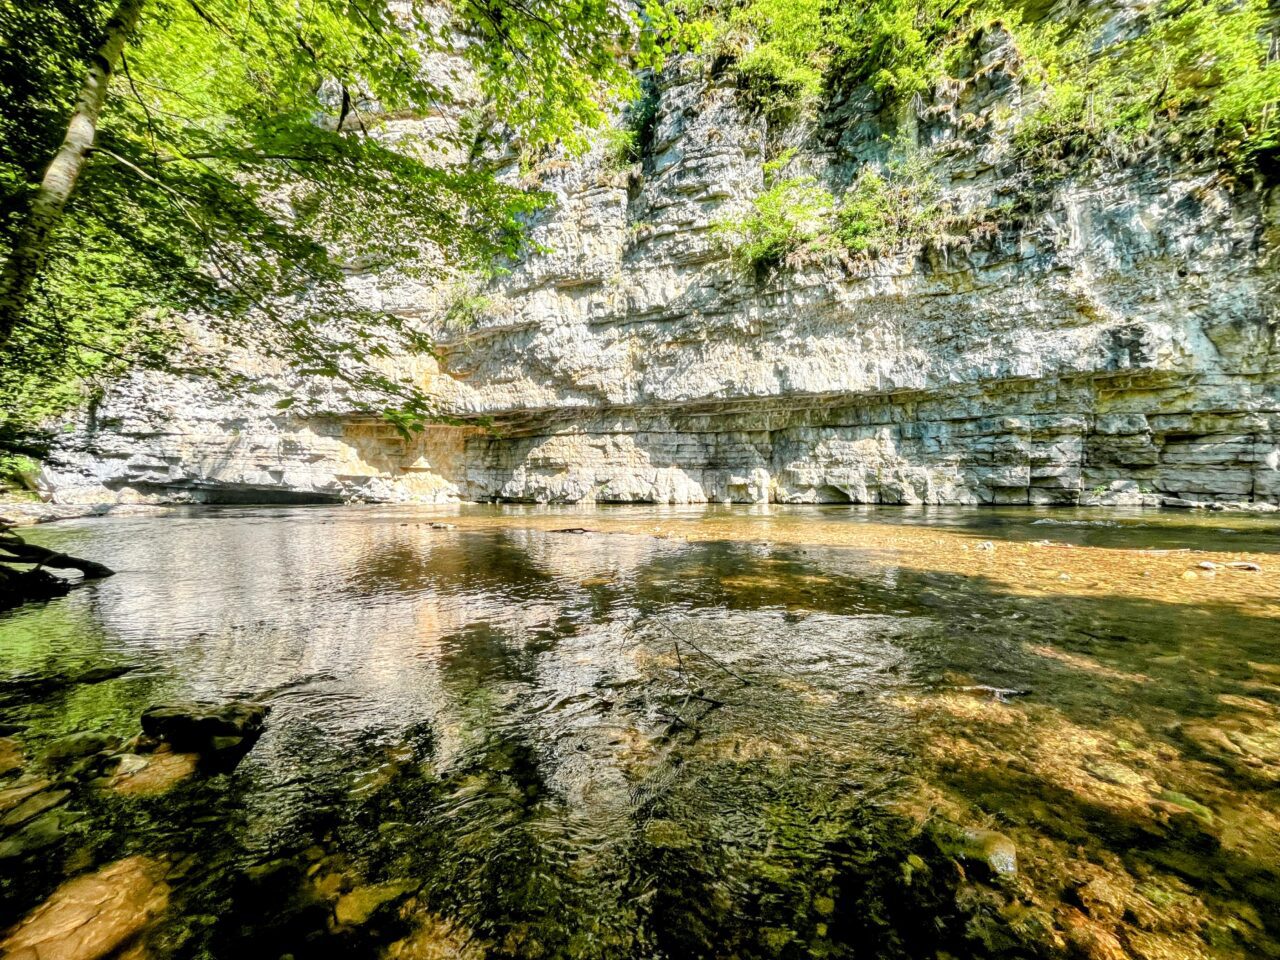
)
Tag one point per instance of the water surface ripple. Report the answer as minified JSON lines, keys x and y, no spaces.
{"x":677,"y":733}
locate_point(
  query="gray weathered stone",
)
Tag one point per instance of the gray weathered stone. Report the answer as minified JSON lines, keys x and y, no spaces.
{"x":1120,"y":345}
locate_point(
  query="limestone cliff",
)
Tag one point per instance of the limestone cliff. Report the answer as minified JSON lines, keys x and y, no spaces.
{"x":1115,"y":340}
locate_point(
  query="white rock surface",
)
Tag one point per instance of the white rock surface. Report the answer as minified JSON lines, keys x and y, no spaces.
{"x":1117,"y":345}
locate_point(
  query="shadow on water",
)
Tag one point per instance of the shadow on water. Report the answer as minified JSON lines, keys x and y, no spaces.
{"x":514,"y":743}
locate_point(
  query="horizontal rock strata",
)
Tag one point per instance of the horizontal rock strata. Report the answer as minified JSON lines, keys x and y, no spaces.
{"x":1115,"y":341}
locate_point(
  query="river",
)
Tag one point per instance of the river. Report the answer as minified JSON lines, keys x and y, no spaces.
{"x":649,"y":732}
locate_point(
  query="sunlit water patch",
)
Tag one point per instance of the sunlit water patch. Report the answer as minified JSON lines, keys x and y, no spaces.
{"x":670,"y":733}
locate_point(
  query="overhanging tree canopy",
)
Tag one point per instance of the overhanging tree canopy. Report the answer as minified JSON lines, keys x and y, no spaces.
{"x":220,"y":158}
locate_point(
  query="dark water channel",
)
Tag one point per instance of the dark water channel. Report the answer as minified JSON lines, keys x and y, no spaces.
{"x":497,"y":740}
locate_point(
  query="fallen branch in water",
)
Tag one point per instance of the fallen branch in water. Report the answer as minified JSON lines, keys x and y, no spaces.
{"x":677,"y":720}
{"x":21,"y":586}
{"x":13,"y":549}
{"x":690,"y":692}
{"x":727,"y":669}
{"x":1002,"y":694}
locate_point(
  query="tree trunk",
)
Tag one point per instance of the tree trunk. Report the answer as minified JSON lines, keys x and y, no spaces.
{"x":13,"y":549}
{"x":31,"y":247}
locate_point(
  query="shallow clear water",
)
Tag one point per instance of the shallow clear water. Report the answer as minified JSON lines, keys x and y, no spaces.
{"x":756,"y":733}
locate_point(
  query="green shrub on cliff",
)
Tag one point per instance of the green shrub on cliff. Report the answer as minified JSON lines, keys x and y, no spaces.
{"x":788,"y":52}
{"x":798,"y":219}
{"x":895,"y":45}
{"x":790,"y":219}
{"x":1197,"y":75}
{"x":1201,"y":73}
{"x":780,"y":52}
{"x":1203,"y":70}
{"x":884,"y":211}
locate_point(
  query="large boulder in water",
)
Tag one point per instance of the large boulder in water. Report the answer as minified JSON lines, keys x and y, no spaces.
{"x":199,"y":726}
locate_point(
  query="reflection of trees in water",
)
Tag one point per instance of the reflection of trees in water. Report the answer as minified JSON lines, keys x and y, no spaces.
{"x":521,"y":763}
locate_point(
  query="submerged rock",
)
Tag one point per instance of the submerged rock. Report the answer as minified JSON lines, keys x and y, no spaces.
{"x":127,"y":764}
{"x":13,"y":796}
{"x":42,"y":684}
{"x":92,"y":916}
{"x":1181,"y":802}
{"x":79,"y":745}
{"x":990,"y":848}
{"x":146,"y":776}
{"x":996,"y":850}
{"x":1116,"y":774}
{"x":10,"y":755}
{"x":33,"y":806}
{"x":1101,"y":898}
{"x":1248,"y":745}
{"x":357,"y":906}
{"x":435,"y":938}
{"x":41,"y":833}
{"x":1087,"y":938}
{"x":197,"y":726}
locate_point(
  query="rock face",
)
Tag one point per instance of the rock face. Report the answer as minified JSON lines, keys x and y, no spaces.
{"x":1116,"y":344}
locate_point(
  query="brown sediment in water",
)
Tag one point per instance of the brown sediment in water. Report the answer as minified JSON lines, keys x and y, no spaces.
{"x":1037,"y":568}
{"x":435,"y":938}
{"x":95,"y":915}
{"x":1136,"y":847}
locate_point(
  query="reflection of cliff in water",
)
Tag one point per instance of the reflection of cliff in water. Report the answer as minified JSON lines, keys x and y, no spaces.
{"x":509,"y":741}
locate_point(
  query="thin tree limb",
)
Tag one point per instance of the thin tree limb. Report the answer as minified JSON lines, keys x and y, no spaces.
{"x":727,"y":669}
{"x":31,"y":249}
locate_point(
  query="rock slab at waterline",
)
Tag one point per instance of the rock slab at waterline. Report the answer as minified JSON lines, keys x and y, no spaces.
{"x":1117,"y":345}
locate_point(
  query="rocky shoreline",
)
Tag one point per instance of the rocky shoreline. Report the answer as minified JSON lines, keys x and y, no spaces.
{"x":28,"y":513}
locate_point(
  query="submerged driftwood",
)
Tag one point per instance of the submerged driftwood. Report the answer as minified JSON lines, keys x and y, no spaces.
{"x":20,"y":586}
